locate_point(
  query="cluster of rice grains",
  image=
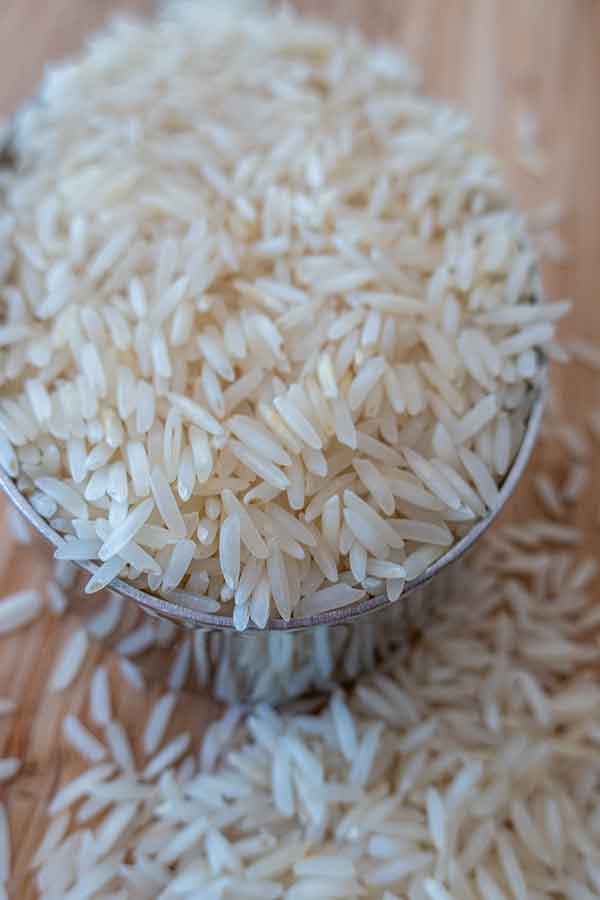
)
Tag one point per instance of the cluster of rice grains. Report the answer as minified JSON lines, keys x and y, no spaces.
{"x":467,"y":770}
{"x":270,"y":326}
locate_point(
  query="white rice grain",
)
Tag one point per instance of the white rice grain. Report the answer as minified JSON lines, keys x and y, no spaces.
{"x":18,"y":610}
{"x":229,"y":550}
{"x":157,"y":723}
{"x":82,"y":740}
{"x":69,"y":662}
{"x":100,"y":702}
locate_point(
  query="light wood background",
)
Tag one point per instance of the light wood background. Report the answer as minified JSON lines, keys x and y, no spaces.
{"x":492,"y":56}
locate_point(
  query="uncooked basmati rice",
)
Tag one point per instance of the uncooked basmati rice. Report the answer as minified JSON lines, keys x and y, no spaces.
{"x":158,"y":722}
{"x":19,"y":609}
{"x":180,"y":667}
{"x":479,"y":780}
{"x":100,"y":706}
{"x":410,"y":785}
{"x":107,"y":619}
{"x":119,"y":745}
{"x":167,"y":756}
{"x":548,"y":495}
{"x":132,"y":674}
{"x":69,"y":661}
{"x":82,"y":740}
{"x":138,"y":640}
{"x":577,"y":480}
{"x":57,"y":600}
{"x":230,"y":314}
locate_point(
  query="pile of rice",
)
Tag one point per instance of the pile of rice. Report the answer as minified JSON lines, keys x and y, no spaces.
{"x":269,"y":323}
{"x":467,"y":770}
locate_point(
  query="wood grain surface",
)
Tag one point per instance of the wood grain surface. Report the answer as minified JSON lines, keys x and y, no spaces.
{"x":494,"y":57}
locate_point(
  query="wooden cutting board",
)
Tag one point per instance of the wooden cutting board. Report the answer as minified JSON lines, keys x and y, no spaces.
{"x":494,"y":57}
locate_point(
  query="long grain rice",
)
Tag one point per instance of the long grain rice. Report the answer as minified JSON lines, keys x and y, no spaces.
{"x":17,"y":610}
{"x":69,"y":661}
{"x":220,"y":318}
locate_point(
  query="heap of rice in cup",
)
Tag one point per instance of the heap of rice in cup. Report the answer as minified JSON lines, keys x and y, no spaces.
{"x":269,"y":323}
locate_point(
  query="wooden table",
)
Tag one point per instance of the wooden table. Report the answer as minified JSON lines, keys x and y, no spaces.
{"x":492,"y":56}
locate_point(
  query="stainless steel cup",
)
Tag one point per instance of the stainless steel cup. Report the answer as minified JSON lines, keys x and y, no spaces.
{"x":289,"y":659}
